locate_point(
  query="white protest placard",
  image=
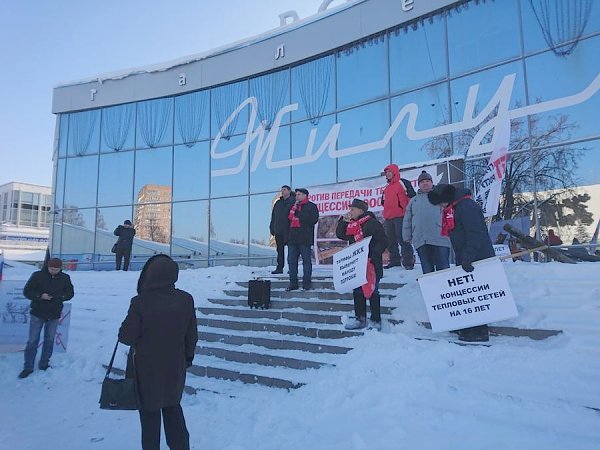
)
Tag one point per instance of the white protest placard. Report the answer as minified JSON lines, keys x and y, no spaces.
{"x":14,"y":319}
{"x":501,"y":250}
{"x":456,"y":299}
{"x":350,"y":266}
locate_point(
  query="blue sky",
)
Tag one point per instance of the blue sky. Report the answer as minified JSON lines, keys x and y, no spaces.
{"x":44,"y":42}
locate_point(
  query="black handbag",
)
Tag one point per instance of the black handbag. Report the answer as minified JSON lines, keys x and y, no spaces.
{"x":119,"y":394}
{"x":259,"y":294}
{"x":114,"y":249}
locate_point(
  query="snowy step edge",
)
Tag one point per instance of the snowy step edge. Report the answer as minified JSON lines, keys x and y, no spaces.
{"x":297,"y":304}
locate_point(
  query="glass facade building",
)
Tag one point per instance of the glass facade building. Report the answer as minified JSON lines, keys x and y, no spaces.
{"x":197,"y":171}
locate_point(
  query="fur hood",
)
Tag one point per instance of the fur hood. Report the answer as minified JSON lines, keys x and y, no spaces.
{"x":446,"y":193}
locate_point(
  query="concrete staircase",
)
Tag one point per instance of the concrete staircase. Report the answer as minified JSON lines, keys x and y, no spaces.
{"x":278,"y":347}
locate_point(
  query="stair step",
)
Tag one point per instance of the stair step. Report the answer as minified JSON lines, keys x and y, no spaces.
{"x":338,"y":306}
{"x":321,"y":284}
{"x":272,"y":343}
{"x":532,"y":333}
{"x":284,"y":329}
{"x":259,"y":358}
{"x":313,"y":294}
{"x":273,"y":315}
{"x":247,"y":378}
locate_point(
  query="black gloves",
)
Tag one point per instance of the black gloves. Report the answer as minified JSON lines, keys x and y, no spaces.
{"x":468,"y":267}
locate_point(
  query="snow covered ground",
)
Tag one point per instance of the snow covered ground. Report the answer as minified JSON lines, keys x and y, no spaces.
{"x":391,"y":392}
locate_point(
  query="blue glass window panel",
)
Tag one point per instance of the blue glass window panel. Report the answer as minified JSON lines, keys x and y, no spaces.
{"x":313,"y":89}
{"x":433,"y":112}
{"x":191,"y":176}
{"x":362,"y":74}
{"x":107,"y":219}
{"x":229,"y":227}
{"x":56,"y":236}
{"x":236,"y":184}
{"x":190,"y":230}
{"x":154,"y":123}
{"x":115,"y":183}
{"x":153,"y":170}
{"x":489,"y":81}
{"x":261,"y":241}
{"x":533,"y":34}
{"x":570,"y":75}
{"x":78,"y":231}
{"x":81,"y":182}
{"x":264,"y":179}
{"x":483,"y":34}
{"x":59,"y":184}
{"x":223,"y":102}
{"x":63,"y":135}
{"x":84,"y":133}
{"x":272,"y":92}
{"x":587,"y":173}
{"x":418,"y":56}
{"x":118,"y":128}
{"x":361,"y":126}
{"x":323,"y":170}
{"x":192,"y":117}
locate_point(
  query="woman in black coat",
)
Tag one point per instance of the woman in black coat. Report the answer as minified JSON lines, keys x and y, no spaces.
{"x":161,"y":328}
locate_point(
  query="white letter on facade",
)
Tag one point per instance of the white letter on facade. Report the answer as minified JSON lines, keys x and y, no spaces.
{"x":182,"y":79}
{"x":283,"y":17}
{"x":407,"y":5}
{"x":93,"y":93}
{"x":280,"y":52}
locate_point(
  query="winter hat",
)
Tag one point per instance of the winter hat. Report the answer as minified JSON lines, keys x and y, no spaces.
{"x":304,"y":191}
{"x":55,"y":263}
{"x":360,"y":204}
{"x":285,"y":186}
{"x":442,"y":193}
{"x":424,"y":176}
{"x":127,"y":222}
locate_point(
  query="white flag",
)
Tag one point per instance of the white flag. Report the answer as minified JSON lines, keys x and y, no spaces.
{"x":488,"y":192}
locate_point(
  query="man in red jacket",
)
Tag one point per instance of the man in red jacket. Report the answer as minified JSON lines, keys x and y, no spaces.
{"x":396,"y":196}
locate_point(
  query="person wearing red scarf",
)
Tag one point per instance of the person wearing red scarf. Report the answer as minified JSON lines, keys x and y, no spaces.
{"x":353,"y":227}
{"x":463,"y":222}
{"x":303,"y":217}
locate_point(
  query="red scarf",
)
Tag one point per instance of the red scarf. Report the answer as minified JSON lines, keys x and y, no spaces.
{"x":448,"y":216}
{"x":354,"y":228}
{"x":294,"y":220}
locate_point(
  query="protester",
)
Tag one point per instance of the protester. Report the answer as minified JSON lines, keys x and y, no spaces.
{"x":552,"y":238}
{"x":161,"y":329}
{"x":463,"y":222}
{"x":280,"y":224}
{"x":356,"y":225}
{"x":396,"y":196}
{"x":126,"y":232}
{"x":303,"y":217}
{"x":47,"y":289}
{"x":422,"y":226}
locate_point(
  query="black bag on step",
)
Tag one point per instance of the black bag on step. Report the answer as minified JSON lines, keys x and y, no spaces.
{"x":259,"y":294}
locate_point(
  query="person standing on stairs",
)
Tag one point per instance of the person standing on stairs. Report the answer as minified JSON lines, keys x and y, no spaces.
{"x":280,"y":224}
{"x":126,"y":233}
{"x":354,"y":226}
{"x":303,"y":217}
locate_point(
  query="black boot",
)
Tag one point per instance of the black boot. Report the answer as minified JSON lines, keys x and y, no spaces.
{"x":474,"y":334}
{"x":25,"y":373}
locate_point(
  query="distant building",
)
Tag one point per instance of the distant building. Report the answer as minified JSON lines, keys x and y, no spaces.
{"x":153,"y":213}
{"x":24,"y":220}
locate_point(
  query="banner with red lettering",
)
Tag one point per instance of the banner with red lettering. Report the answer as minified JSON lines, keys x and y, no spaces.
{"x":334,"y":201}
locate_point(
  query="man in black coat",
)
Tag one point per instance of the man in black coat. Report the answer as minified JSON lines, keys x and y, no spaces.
{"x":161,"y":328}
{"x":463,"y":222}
{"x":47,"y":289}
{"x":280,"y":224}
{"x":125,"y":232}
{"x":356,"y":225}
{"x":303,"y":217}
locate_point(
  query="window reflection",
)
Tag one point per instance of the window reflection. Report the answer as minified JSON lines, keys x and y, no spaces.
{"x":154,"y":123}
{"x":264,"y":179}
{"x":433,"y":112}
{"x":191,"y":118}
{"x":228,"y":237}
{"x":152,"y":221}
{"x":418,"y":55}
{"x":229,"y":184}
{"x":482,"y":34}
{"x":78,"y":232}
{"x":224,"y":101}
{"x":359,"y":126}
{"x":262,"y":244}
{"x":107,"y":219}
{"x":190,"y":230}
{"x":272,"y":92}
{"x":323,"y":170}
{"x":56,"y":236}
{"x":313,"y":89}
{"x":84,"y":133}
{"x":118,"y":124}
{"x":63,"y":135}
{"x":59,"y":184}
{"x":191,"y":177}
{"x":80,"y":182}
{"x":115,"y":184}
{"x":152,"y":168}
{"x":356,"y":65}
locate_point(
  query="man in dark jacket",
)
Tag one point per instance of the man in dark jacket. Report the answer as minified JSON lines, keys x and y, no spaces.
{"x":47,"y":289}
{"x":161,"y":328}
{"x":123,"y":246}
{"x":463,"y":222}
{"x":303,"y":217}
{"x":280,"y":224}
{"x":356,"y":225}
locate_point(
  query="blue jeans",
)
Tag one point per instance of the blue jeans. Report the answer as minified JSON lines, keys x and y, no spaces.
{"x":393,"y":231}
{"x":433,"y":257}
{"x":35,"y":328}
{"x":294,"y":252}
